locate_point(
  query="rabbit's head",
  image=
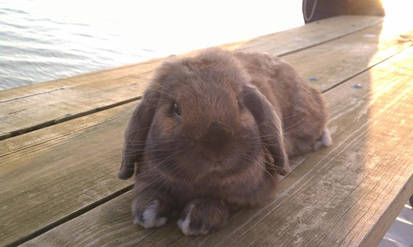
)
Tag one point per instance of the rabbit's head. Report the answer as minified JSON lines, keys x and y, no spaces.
{"x":201,"y":117}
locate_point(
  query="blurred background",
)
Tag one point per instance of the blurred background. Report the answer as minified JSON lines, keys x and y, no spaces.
{"x":41,"y":40}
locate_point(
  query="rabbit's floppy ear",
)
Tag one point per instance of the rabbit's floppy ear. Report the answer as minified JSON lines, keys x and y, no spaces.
{"x":136,"y":133}
{"x":269,"y":126}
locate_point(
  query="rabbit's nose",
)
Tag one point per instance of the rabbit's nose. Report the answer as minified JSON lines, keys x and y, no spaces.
{"x":216,"y":137}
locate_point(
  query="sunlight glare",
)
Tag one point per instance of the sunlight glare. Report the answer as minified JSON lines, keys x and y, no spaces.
{"x":181,"y":25}
{"x":399,"y":17}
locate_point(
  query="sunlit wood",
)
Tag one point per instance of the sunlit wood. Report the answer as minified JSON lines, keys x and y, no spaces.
{"x":347,"y":194}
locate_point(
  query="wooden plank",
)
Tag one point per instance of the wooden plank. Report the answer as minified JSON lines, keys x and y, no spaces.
{"x":57,"y":171}
{"x":44,"y":104}
{"x":333,"y":198}
{"x":333,"y":62}
{"x":41,"y":149}
{"x":60,"y":100}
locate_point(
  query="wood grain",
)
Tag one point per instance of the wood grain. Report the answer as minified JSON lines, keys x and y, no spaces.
{"x":36,"y":106}
{"x":93,"y":143}
{"x":339,"y":196}
{"x":50,"y":149}
{"x":51,"y":173}
{"x":328,"y":64}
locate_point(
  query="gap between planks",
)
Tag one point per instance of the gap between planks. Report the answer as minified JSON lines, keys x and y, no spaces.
{"x":371,"y":66}
{"x":248,"y":45}
{"x":288,"y":185}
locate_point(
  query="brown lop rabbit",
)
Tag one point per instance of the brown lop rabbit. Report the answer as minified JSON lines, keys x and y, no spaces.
{"x":211,"y":134}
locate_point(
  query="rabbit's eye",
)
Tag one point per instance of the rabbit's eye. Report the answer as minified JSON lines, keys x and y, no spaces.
{"x":176,"y":109}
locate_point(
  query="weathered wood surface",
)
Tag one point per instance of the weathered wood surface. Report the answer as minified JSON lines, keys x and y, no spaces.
{"x":79,"y":158}
{"x":57,"y":171}
{"x":45,"y":156}
{"x":366,"y":177}
{"x":351,"y":55}
{"x":347,"y":195}
{"x":76,"y":96}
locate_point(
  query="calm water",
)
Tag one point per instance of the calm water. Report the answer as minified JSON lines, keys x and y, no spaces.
{"x":41,"y":40}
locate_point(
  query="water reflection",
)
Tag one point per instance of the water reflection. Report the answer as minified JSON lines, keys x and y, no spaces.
{"x":42,"y":40}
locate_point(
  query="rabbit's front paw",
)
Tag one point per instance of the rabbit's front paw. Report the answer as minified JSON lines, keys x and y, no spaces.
{"x":147,"y":217}
{"x":324,"y":141}
{"x":201,"y":217}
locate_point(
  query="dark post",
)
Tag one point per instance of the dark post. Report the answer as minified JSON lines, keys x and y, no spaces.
{"x":314,"y":10}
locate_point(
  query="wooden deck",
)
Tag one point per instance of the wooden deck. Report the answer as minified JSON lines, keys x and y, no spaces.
{"x":61,"y":143}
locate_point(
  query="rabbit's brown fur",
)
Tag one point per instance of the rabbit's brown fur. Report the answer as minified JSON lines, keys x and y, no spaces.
{"x":212,"y":132}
